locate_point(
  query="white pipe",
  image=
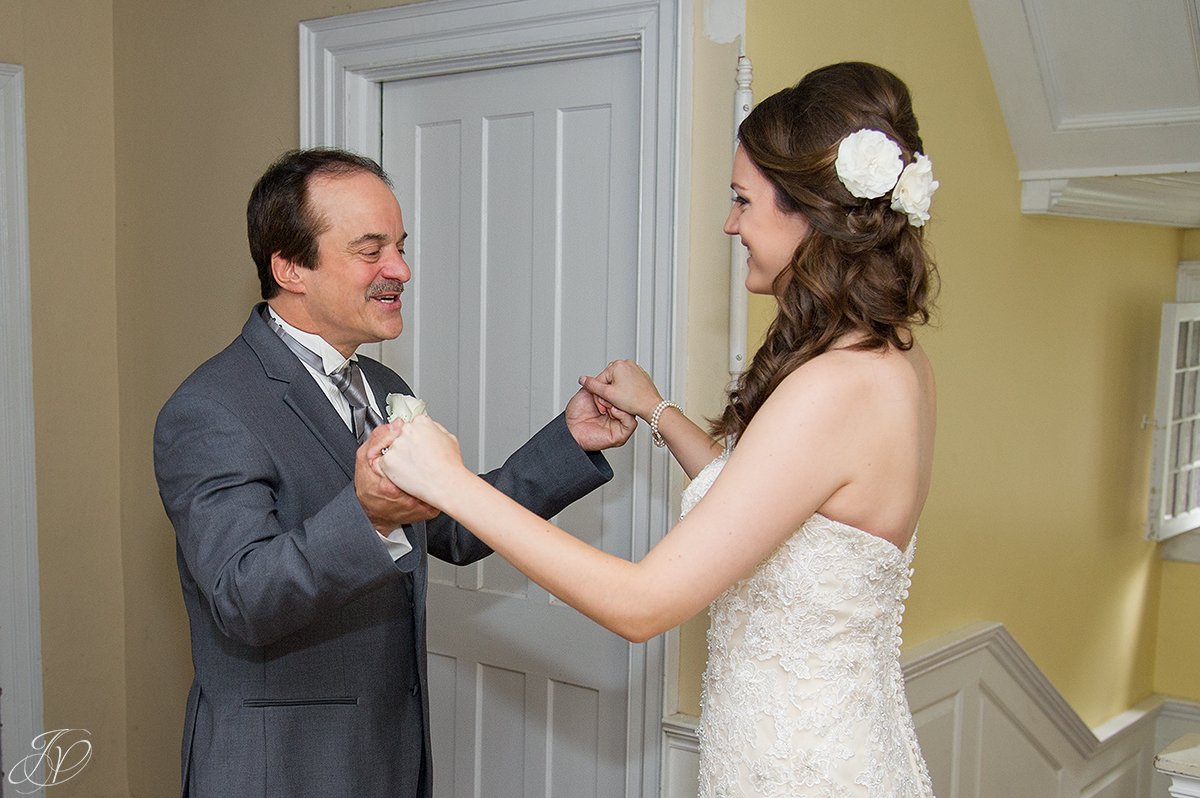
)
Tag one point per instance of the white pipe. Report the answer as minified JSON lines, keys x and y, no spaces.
{"x":743,"y":100}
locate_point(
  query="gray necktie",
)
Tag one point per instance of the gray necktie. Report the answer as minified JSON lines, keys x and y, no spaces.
{"x":349,"y":381}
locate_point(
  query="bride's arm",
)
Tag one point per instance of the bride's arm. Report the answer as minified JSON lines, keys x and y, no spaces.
{"x":784,"y":468}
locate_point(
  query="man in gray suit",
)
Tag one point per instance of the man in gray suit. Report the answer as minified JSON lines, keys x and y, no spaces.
{"x":303,"y":569}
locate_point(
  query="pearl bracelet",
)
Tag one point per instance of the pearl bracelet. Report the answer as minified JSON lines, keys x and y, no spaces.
{"x":655,"y":435}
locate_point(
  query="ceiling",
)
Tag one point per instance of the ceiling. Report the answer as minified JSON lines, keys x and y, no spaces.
{"x":1102,"y":103}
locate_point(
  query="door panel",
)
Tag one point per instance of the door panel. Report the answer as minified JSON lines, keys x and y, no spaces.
{"x":520,"y":192}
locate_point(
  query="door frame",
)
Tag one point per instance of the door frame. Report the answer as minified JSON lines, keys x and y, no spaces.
{"x":344,"y":61}
{"x":20,"y":624}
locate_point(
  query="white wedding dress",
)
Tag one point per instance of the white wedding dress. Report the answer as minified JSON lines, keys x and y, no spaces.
{"x":803,"y":694}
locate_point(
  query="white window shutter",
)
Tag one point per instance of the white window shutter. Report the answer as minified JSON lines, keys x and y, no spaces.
{"x":1175,"y":462}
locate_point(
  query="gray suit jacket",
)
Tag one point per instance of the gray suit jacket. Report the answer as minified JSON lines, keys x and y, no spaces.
{"x":308,"y":641}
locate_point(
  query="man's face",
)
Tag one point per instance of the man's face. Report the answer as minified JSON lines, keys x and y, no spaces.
{"x":352,"y":296}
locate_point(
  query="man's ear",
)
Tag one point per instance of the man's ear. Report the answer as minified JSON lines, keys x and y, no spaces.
{"x":288,"y":274}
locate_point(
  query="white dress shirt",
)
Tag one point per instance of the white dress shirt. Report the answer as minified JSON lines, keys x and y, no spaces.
{"x":396,"y":541}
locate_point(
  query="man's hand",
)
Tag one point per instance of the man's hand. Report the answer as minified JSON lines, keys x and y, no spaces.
{"x":386,"y":506}
{"x":596,"y":426}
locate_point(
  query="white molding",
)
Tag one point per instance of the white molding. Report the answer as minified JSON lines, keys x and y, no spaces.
{"x":994,"y":639}
{"x":1164,"y":199}
{"x":20,"y":629}
{"x":1160,"y":170}
{"x":1184,"y":547}
{"x":1187,"y":281}
{"x":1119,"y":119}
{"x":680,"y":757}
{"x":953,"y":680}
{"x":344,"y":61}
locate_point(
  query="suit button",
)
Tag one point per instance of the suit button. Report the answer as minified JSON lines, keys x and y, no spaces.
{"x":416,"y":688}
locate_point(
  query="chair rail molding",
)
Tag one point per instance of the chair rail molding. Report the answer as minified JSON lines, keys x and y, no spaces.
{"x":1102,"y":105}
{"x":20,"y":634}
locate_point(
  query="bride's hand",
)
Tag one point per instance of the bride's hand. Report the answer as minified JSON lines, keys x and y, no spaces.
{"x":423,"y":457}
{"x":626,"y":386}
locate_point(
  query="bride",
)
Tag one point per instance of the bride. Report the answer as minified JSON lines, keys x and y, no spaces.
{"x":799,"y":523}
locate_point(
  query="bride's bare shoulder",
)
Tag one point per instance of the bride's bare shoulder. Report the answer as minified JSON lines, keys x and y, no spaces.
{"x":854,"y":370}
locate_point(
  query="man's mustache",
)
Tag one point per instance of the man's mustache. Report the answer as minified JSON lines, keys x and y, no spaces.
{"x":386,"y":287}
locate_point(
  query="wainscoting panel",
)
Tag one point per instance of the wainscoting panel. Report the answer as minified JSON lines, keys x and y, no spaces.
{"x":681,"y":757}
{"x":992,"y":725}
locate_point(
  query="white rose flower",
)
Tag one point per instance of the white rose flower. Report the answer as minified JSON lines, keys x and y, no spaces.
{"x":868,"y":163}
{"x":404,"y":407}
{"x":914,"y":190}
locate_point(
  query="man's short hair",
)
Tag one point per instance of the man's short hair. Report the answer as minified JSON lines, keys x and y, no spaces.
{"x":279,"y":218}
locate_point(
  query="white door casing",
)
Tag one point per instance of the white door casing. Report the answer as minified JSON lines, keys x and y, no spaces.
{"x":345,"y":62}
{"x":20,"y":647}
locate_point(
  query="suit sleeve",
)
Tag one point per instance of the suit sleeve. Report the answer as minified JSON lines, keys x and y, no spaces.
{"x":545,"y":475}
{"x":222,"y":490}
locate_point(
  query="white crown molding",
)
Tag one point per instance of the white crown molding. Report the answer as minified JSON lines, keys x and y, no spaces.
{"x":20,"y":631}
{"x":1160,"y":116}
{"x":1163,"y":199}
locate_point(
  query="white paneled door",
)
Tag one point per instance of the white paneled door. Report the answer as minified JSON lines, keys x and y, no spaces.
{"x":520,"y":191}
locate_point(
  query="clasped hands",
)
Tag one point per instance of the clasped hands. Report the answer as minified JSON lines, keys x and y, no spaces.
{"x":402,"y":465}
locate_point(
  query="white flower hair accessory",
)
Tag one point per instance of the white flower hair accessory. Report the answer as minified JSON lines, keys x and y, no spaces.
{"x":914,"y":189}
{"x":870,"y":164}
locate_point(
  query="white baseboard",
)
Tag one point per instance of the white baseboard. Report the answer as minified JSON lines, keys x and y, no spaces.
{"x":993,"y":726}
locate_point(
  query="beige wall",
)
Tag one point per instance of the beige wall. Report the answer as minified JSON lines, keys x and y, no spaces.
{"x":147,"y":124}
{"x":68,"y":72}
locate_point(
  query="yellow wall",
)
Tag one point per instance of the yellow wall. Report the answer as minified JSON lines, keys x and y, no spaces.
{"x":1191,"y":245}
{"x":1045,"y":354}
{"x":146,"y":129}
{"x":1179,"y":617}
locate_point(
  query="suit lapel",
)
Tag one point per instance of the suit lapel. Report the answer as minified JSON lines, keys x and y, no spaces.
{"x":302,"y":396}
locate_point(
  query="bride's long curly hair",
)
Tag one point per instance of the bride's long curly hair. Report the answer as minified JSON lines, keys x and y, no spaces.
{"x":862,"y":269}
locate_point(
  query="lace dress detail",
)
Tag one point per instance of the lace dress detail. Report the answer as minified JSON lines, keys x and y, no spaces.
{"x":803,"y":693}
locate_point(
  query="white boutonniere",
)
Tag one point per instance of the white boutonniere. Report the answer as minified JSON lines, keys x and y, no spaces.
{"x":402,"y":407}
